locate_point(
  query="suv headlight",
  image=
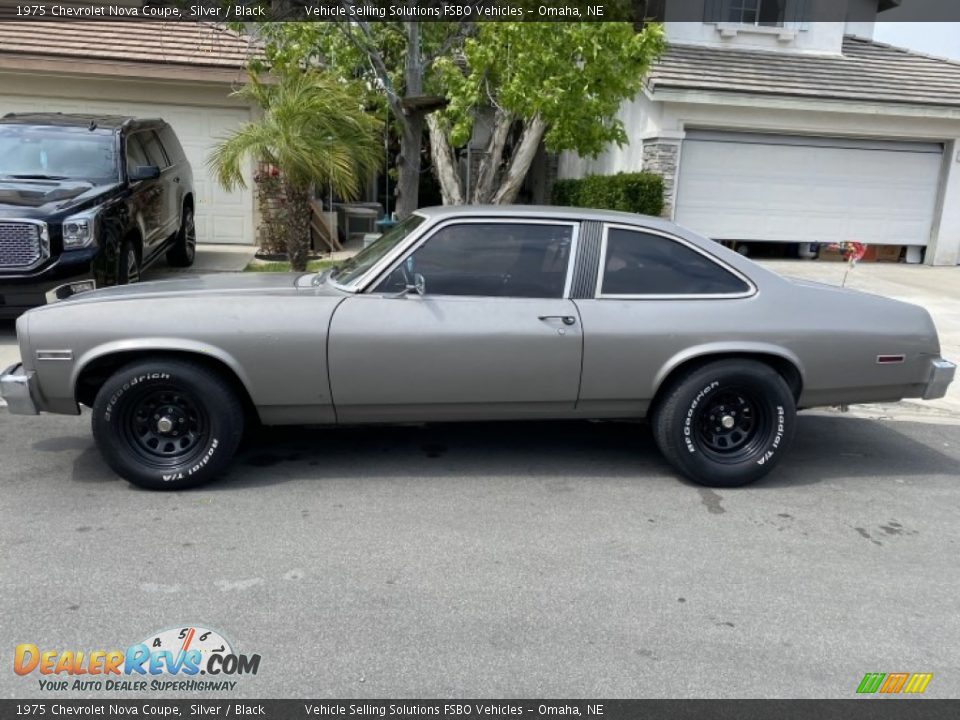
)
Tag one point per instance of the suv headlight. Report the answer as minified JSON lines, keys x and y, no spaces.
{"x":80,"y":230}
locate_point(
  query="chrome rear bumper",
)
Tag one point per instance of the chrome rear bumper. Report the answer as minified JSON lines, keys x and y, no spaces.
{"x":16,"y":387}
{"x":941,"y":375}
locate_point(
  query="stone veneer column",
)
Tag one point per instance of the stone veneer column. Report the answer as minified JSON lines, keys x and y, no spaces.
{"x":662,"y":156}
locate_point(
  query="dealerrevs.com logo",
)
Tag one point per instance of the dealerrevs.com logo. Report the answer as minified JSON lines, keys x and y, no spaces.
{"x":179,"y":659}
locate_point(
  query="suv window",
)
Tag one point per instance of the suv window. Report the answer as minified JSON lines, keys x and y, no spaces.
{"x":136,"y":155}
{"x":151,"y":143}
{"x":73,"y":153}
{"x":639,"y":263}
{"x":171,"y":144}
{"x":490,"y":260}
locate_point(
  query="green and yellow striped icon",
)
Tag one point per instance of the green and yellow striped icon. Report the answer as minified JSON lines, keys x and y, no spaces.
{"x":892,"y":683}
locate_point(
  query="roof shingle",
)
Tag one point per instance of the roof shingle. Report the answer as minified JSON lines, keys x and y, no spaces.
{"x":866,"y":71}
{"x":164,"y":43}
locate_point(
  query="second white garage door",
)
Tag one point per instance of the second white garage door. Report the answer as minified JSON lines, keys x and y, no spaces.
{"x":739,"y":186}
{"x":221,"y":217}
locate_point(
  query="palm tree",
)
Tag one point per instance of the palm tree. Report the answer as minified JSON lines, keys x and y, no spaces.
{"x":315,"y":132}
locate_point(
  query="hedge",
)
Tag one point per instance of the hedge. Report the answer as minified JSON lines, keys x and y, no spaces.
{"x":640,"y":192}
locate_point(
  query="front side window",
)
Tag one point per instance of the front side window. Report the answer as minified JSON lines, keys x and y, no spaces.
{"x":639,"y":263}
{"x":151,"y":143}
{"x":136,"y":155}
{"x":70,"y":153}
{"x":521,"y":260}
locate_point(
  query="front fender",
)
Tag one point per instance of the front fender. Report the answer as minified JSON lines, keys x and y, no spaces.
{"x":158,"y":344}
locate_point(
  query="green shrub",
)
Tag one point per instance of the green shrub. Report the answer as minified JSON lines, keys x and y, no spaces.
{"x":640,"y":192}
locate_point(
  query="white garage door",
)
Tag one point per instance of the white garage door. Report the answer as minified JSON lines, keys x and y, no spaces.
{"x":221,"y":217}
{"x":739,"y":186}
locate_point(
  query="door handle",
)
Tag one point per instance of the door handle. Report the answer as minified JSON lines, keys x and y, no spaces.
{"x":565,"y":319}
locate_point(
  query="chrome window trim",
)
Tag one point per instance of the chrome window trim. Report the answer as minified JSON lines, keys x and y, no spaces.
{"x":44,"y":244}
{"x":600,"y":295}
{"x":433,"y":229}
{"x":362,"y":283}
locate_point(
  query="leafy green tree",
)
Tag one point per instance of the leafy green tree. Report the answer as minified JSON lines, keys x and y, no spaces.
{"x":315,"y":131}
{"x":560,"y":83}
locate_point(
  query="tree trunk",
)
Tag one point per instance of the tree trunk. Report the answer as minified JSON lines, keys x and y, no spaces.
{"x":411,"y":139}
{"x":408,"y":165}
{"x":298,"y":234}
{"x":520,"y":162}
{"x":490,"y":165}
{"x":444,"y":164}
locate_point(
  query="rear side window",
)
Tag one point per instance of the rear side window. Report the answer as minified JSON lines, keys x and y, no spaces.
{"x":171,"y":144}
{"x":639,"y":263}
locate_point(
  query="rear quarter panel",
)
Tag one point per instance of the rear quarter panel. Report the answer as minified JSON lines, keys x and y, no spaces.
{"x":832,"y":336}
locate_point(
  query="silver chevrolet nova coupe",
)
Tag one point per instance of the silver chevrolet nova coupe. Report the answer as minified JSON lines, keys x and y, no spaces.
{"x":476,"y":313}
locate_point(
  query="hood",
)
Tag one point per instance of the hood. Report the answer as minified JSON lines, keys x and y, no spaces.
{"x":46,"y":197}
{"x":240,"y":284}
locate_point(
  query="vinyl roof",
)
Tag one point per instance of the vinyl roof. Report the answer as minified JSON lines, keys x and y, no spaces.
{"x":866,"y":71}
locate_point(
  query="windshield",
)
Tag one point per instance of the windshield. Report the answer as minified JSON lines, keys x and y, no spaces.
{"x":31,"y":152}
{"x":353,"y":268}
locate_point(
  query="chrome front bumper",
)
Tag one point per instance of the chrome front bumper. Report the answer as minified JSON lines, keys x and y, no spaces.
{"x":941,"y":375}
{"x":16,"y":387}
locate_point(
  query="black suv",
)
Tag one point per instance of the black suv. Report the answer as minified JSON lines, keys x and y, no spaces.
{"x":88,"y":201}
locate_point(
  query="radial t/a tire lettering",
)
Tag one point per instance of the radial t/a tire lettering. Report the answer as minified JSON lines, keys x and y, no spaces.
{"x":167,"y":424}
{"x":727,"y":423}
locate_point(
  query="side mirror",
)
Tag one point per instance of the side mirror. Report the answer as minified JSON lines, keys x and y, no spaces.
{"x":419,"y":285}
{"x":144,"y":172}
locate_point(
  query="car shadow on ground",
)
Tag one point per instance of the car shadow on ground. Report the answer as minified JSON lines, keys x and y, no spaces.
{"x":825,"y":448}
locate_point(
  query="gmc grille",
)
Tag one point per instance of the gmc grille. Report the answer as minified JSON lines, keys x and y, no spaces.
{"x":20,"y":245}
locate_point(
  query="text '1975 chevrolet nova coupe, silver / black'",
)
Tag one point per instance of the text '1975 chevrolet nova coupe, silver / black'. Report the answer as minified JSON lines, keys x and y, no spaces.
{"x":476,"y":313}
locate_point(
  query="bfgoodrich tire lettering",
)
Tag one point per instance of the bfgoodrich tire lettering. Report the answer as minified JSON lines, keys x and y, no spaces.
{"x":167,"y":424}
{"x":726,"y":424}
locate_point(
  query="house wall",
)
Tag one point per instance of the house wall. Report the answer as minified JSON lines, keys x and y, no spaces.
{"x":818,"y":38}
{"x":655,"y":123}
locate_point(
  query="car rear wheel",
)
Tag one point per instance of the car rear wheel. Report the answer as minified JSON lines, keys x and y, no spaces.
{"x":726,"y":424}
{"x":184,"y":249}
{"x":168,"y":424}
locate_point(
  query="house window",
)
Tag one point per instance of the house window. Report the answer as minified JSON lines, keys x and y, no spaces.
{"x":756,"y":12}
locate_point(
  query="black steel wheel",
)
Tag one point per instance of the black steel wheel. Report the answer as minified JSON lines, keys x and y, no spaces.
{"x":167,"y":424}
{"x":726,"y":423}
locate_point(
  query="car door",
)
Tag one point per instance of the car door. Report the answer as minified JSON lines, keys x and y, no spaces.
{"x":147,"y":196}
{"x":493,"y":334}
{"x":166,"y":187}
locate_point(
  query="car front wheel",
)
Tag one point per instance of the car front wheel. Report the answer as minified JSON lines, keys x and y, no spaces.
{"x":727,"y":423}
{"x":167,"y":424}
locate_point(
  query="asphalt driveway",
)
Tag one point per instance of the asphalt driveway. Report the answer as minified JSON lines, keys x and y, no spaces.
{"x":545,"y":560}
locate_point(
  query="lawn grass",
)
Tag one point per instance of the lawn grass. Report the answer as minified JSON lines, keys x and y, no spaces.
{"x":261,"y":266}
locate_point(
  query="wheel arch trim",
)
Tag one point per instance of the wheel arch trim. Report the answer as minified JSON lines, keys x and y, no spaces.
{"x":180,"y":346}
{"x":721,"y":349}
